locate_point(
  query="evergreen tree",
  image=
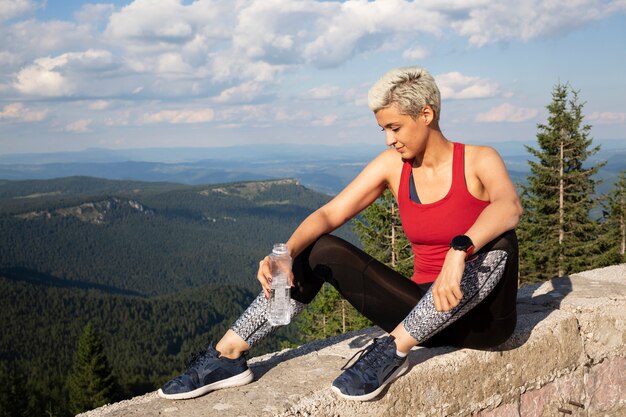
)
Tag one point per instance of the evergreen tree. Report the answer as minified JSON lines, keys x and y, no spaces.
{"x":14,"y":396}
{"x":90,"y":382}
{"x":381,"y":234}
{"x":557,"y":235}
{"x":613,"y":238}
{"x":329,"y":315}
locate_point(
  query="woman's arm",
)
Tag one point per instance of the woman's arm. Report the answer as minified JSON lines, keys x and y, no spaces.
{"x":360,"y":193}
{"x":504,"y":211}
{"x":502,"y":214}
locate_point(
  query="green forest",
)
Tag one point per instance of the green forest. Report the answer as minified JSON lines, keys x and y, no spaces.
{"x":158,"y":270}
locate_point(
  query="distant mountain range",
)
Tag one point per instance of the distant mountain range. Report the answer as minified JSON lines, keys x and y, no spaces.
{"x":323,"y":168}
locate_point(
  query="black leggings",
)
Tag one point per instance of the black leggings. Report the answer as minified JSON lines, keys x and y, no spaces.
{"x":486,"y":316}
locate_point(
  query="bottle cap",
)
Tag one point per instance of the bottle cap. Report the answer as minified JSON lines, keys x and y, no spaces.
{"x":280,"y":248}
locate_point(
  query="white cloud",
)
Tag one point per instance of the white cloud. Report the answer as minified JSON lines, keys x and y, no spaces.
{"x":13,"y":8}
{"x":323,"y":92}
{"x":226,"y":66}
{"x":31,"y":38}
{"x":177,"y":48}
{"x":326,"y":34}
{"x":336,"y":94}
{"x":527,"y":19}
{"x":120,"y":119}
{"x":327,"y":120}
{"x":18,"y":112}
{"x":290,"y":115}
{"x":227,"y":53}
{"x":99,"y":105}
{"x":47,"y":76}
{"x":415,"y":54}
{"x":169,"y":24}
{"x":507,"y":113}
{"x":607,"y":117}
{"x":180,"y":116}
{"x":8,"y":59}
{"x":222,"y":38}
{"x":274,"y":30}
{"x":262,"y":115}
{"x":359,"y":26}
{"x":172,"y":62}
{"x":454,"y":85}
{"x":79,"y":126}
{"x":245,"y":92}
{"x":94,"y":13}
{"x":41,"y":80}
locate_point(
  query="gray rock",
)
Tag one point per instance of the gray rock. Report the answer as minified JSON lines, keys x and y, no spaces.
{"x":569,"y":346}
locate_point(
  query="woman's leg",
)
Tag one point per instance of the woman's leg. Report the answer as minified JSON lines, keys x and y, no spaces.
{"x":490,"y":274}
{"x":387,"y":297}
{"x":251,"y":327}
{"x":491,"y":321}
{"x":480,"y":277}
{"x":378,"y":292}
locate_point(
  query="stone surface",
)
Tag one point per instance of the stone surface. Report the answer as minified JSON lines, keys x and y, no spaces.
{"x":606,"y":386}
{"x":569,"y":345}
{"x":506,"y":410}
{"x":547,"y":400}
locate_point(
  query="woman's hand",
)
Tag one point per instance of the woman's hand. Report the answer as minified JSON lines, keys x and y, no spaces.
{"x":264,"y":275}
{"x":446,"y":289}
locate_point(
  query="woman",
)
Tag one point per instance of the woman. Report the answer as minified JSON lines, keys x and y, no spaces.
{"x":458,"y":208}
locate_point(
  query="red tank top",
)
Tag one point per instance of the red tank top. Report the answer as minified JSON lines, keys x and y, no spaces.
{"x":431,"y":227}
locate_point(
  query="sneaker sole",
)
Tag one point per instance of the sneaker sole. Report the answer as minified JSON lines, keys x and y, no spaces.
{"x":365,"y":397}
{"x":234,"y":381}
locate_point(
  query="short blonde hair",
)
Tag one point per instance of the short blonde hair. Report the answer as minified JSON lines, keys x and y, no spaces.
{"x":410,"y":88}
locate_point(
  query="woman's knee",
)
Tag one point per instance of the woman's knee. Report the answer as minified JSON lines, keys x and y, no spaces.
{"x":325,"y":248}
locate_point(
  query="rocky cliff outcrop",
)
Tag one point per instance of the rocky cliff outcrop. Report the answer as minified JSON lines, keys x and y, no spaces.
{"x":567,"y":357}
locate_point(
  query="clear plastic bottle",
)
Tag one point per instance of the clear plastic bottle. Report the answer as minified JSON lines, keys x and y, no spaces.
{"x":279,"y":310}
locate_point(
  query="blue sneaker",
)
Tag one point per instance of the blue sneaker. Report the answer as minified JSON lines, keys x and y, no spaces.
{"x":376,"y":367}
{"x":207,"y":372}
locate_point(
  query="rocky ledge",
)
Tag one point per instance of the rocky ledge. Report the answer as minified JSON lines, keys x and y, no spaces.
{"x":567,"y":357}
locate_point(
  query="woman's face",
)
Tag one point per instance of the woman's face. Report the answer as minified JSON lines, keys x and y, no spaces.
{"x":406,"y":134}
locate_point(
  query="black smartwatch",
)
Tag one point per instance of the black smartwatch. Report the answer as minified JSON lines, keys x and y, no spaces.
{"x":463,"y":243}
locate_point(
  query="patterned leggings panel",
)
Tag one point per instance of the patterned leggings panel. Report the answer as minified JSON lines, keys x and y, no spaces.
{"x":480,"y":277}
{"x":252,"y":325}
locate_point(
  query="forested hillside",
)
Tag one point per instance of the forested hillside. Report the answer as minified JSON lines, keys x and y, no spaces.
{"x":146,"y":238}
{"x":158,"y":269}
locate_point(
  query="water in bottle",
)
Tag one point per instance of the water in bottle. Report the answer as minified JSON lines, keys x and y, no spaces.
{"x":279,"y":311}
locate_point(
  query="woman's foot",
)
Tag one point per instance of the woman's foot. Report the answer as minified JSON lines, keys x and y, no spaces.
{"x":376,"y":367}
{"x":208,"y":371}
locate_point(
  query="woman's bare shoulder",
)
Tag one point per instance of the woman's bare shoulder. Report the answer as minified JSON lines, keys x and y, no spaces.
{"x":480,"y":154}
{"x":384,"y":168}
{"x":389,"y":158}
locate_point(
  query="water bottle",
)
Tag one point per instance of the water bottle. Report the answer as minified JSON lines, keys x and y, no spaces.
{"x":279,"y":311}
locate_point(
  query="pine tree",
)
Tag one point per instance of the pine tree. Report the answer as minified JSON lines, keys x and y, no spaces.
{"x":557,"y":235}
{"x":90,"y":383}
{"x":613,"y":238}
{"x":329,"y":315}
{"x":381,"y":234}
{"x":14,"y":395}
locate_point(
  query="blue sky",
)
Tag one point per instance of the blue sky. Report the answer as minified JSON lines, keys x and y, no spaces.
{"x":168,"y":73}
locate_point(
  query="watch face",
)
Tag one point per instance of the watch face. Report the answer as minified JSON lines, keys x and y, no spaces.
{"x":461,"y":242}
